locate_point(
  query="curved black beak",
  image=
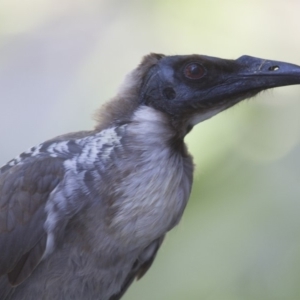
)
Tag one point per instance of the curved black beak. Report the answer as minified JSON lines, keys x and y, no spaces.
{"x":267,"y":73}
{"x":227,"y":82}
{"x":231,"y":81}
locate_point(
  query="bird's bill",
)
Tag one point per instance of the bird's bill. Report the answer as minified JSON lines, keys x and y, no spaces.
{"x":245,"y":77}
{"x":263,"y":74}
{"x":229,"y":82}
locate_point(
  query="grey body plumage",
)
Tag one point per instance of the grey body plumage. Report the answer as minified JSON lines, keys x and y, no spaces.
{"x":83,"y":215}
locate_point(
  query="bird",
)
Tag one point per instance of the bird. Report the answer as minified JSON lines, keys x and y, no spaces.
{"x":83,"y":215}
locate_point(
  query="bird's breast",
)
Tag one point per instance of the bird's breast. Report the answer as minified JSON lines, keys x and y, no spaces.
{"x":152,"y":198}
{"x":152,"y":193}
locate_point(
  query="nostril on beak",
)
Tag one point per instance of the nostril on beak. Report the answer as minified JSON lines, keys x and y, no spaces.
{"x":273,"y":68}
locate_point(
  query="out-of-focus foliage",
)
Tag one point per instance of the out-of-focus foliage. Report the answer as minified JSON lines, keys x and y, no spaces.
{"x":240,"y":235}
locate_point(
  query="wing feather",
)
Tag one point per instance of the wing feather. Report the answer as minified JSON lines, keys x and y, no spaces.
{"x":24,"y":190}
{"x":27,"y":262}
{"x":140,"y":267}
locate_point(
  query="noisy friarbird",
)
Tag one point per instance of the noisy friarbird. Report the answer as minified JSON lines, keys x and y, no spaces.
{"x":84,"y":214}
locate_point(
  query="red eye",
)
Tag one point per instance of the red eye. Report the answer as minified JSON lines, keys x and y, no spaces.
{"x":194,"y":71}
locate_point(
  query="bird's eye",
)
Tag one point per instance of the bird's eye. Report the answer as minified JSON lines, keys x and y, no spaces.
{"x":194,"y":71}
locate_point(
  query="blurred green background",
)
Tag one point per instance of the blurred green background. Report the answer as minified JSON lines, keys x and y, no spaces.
{"x":240,"y":235}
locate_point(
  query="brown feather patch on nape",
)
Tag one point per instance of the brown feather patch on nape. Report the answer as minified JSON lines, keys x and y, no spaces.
{"x":120,"y":108}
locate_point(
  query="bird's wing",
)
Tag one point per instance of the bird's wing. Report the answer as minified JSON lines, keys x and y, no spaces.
{"x":140,"y":267}
{"x":40,"y":191}
{"x":25,"y":189}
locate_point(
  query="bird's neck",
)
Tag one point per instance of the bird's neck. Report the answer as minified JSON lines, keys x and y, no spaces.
{"x":151,"y":125}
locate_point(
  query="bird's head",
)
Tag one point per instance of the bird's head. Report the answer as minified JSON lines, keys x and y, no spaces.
{"x":192,"y":88}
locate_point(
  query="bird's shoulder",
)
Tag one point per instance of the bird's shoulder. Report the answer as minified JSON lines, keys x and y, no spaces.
{"x":80,"y":146}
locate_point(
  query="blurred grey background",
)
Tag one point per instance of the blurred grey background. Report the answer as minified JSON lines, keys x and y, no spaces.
{"x":240,"y":235}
